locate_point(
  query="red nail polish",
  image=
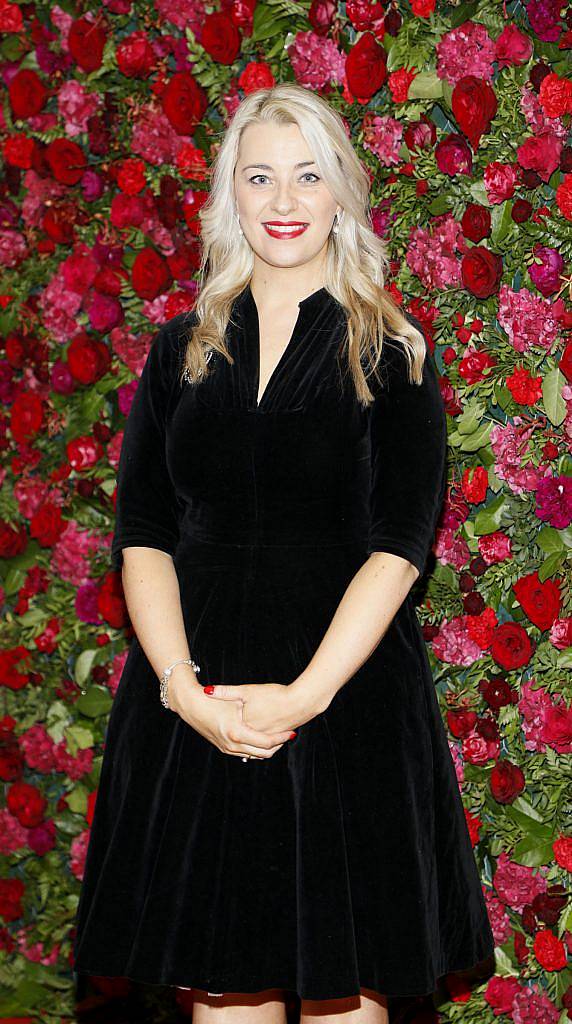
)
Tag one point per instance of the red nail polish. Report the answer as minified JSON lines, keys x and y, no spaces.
{"x":292,"y":735}
{"x":208,"y":689}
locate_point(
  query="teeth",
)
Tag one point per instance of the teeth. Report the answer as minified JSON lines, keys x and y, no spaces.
{"x":285,"y":231}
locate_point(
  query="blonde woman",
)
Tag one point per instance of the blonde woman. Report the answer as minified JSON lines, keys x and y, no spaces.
{"x":282,"y":472}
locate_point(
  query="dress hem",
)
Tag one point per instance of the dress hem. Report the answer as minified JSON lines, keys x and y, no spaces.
{"x":463,"y":963}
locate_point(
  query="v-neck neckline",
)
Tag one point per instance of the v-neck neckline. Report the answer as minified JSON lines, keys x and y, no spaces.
{"x":304,"y":306}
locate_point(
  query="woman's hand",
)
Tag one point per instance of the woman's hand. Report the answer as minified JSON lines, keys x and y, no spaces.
{"x":268,"y":706}
{"x":223,"y":724}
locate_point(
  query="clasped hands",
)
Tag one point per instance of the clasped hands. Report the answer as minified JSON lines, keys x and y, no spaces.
{"x":250,"y":718}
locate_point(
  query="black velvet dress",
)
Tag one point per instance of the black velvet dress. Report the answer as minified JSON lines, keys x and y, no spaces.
{"x":344,"y":860}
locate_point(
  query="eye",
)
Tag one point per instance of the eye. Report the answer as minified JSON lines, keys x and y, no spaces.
{"x":257,"y":176}
{"x":311,"y":173}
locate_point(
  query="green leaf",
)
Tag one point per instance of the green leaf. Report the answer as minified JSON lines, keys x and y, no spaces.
{"x":425,"y":85}
{"x":97,"y":701}
{"x":550,"y":541}
{"x":550,"y":566}
{"x":78,"y":737}
{"x":532,"y":852}
{"x":489,"y":519}
{"x":554,"y":404}
{"x":83,"y":665}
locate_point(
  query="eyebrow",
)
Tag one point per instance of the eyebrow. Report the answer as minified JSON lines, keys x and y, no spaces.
{"x":267,"y":167}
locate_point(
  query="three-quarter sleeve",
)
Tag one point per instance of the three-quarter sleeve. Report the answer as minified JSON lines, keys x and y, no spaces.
{"x":146,"y":512}
{"x":408,"y":432}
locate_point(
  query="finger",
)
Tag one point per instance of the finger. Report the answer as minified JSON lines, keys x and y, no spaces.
{"x":256,"y":752}
{"x":223,"y":692}
{"x":262,"y":739}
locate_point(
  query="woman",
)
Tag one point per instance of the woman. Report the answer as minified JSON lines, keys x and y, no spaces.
{"x":281,"y":476}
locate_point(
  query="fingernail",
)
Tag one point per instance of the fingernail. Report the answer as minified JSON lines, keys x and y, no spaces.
{"x":208,"y":689}
{"x":292,"y":735}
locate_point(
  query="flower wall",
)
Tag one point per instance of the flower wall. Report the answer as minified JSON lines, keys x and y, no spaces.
{"x":109,"y":122}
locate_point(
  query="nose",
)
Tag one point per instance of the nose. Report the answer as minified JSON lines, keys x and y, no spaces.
{"x":284,"y":201}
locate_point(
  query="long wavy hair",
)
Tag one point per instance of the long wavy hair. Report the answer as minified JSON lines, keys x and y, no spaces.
{"x":356,"y":261}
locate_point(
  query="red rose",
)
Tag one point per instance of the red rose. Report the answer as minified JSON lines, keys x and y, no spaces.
{"x":476,"y":222}
{"x":26,"y":803}
{"x":26,"y":416}
{"x":47,"y":525}
{"x":511,"y":647}
{"x":12,"y":541}
{"x":565,"y":364}
{"x":150,"y":274}
{"x":86,"y":40}
{"x":512,"y":47}
{"x":12,"y":665}
{"x":66,"y":161}
{"x":366,"y":67}
{"x":461,"y":722}
{"x":540,"y":602}
{"x":507,"y":782}
{"x":474,"y":105}
{"x":256,"y":75}
{"x":453,"y":155}
{"x":184,"y":102}
{"x":130,"y":176}
{"x":27,"y":94}
{"x":135,"y":56}
{"x":563,"y":197}
{"x":481,"y":271}
{"x":83,"y":452}
{"x":11,"y":892}
{"x":220,"y":37}
{"x":563,"y":852}
{"x":59,"y":222}
{"x":555,"y":95}
{"x":11,"y":757}
{"x":19,"y":151}
{"x":111,"y":601}
{"x":549,"y":950}
{"x":88,"y":358}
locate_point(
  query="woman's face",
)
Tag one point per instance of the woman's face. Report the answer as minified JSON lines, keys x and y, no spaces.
{"x":277,"y":184}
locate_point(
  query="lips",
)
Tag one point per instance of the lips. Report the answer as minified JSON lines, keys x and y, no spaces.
{"x":284,"y":229}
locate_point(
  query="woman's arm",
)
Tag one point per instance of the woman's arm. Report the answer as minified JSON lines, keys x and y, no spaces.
{"x":361,"y":619}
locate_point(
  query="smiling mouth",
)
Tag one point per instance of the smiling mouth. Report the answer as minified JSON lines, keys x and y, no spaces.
{"x":281,"y":230}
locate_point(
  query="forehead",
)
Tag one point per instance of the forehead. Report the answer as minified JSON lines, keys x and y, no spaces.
{"x":273,"y":145}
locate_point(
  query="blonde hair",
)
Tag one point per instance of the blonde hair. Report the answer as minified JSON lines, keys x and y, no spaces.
{"x":356,"y":261}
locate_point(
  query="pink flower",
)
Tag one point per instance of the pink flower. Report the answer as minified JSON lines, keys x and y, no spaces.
{"x":453,"y":645}
{"x":76,"y":766}
{"x":465,"y":50}
{"x":13,"y":248}
{"x":554,"y":501}
{"x":38,"y":749}
{"x":515,"y":883}
{"x":527,"y":319}
{"x":78,"y":851}
{"x":76,"y":105}
{"x":561,"y":633}
{"x":532,"y":1006}
{"x":384,"y":137}
{"x":316,"y":60}
{"x":432,"y":254}
{"x":13,"y":835}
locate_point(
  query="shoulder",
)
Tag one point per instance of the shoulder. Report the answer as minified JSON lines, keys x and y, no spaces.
{"x":169,"y":342}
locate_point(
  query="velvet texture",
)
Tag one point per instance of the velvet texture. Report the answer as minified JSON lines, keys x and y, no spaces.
{"x":344,"y":860}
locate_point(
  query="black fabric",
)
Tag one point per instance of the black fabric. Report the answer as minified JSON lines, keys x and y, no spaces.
{"x":344,"y":860}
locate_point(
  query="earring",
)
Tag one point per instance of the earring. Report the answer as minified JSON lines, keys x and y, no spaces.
{"x":240,"y":231}
{"x":336,"y":224}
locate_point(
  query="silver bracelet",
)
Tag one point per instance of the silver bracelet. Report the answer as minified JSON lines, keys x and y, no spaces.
{"x":163,"y":693}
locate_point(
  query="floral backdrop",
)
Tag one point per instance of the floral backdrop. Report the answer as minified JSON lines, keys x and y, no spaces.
{"x":109,"y":122}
